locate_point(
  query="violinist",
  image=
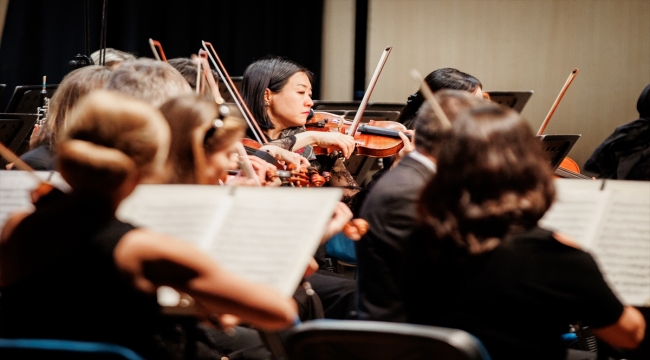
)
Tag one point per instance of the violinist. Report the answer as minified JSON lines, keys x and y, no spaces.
{"x":494,"y":272}
{"x":71,"y":270}
{"x":278,"y":94}
{"x":444,"y":78}
{"x":113,"y":57}
{"x":625,"y":154}
{"x":151,"y":81}
{"x":73,"y":86}
{"x":203,"y":145}
{"x":390,"y":211}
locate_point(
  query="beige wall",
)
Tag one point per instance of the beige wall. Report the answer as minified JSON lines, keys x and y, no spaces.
{"x":337,"y":72}
{"x":522,"y":45}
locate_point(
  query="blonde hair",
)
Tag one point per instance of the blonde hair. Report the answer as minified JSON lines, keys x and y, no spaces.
{"x":148,"y":80}
{"x":73,"y":86}
{"x":112,"y":56}
{"x":108,"y":138}
{"x":190,"y":118}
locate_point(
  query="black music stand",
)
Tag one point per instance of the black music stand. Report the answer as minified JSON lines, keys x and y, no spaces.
{"x":14,"y":129}
{"x":2,"y":88}
{"x":27,"y":98}
{"x":326,"y":105}
{"x":556,"y":147}
{"x":513,"y":99}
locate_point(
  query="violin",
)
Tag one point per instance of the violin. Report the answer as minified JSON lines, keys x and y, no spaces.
{"x":374,"y":139}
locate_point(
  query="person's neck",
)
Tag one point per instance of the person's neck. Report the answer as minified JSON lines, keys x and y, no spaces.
{"x":427,"y":155}
{"x":273,"y":134}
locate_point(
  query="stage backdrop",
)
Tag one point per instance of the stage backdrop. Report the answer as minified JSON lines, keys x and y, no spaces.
{"x":41,"y":36}
{"x":524,"y":45}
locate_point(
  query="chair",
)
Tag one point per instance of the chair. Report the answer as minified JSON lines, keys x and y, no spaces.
{"x":63,"y":349}
{"x":360,"y":340}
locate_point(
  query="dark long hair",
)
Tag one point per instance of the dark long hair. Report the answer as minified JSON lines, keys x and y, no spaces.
{"x":445,"y":78}
{"x":270,"y":73}
{"x":492,"y":181}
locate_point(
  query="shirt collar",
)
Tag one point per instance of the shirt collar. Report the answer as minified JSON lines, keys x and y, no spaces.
{"x":422,"y":159}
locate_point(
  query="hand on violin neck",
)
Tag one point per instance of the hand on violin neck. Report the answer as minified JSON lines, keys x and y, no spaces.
{"x":287,"y":156}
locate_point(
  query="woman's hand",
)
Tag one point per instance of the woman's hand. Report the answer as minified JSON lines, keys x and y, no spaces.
{"x":34,"y":137}
{"x":342,"y":215}
{"x":262,"y":168}
{"x":287,"y":156}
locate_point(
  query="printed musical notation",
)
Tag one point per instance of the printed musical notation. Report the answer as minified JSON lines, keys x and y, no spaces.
{"x":612,"y":222}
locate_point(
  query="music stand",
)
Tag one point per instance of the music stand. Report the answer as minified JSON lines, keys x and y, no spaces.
{"x":327,"y":105}
{"x":27,"y":98}
{"x":2,"y":88}
{"x":513,"y":99}
{"x":556,"y":147}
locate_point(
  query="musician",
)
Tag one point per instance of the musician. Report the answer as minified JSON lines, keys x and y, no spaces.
{"x":71,"y":270}
{"x":203,"y":145}
{"x":444,"y":78}
{"x":73,"y":86}
{"x":278,"y":94}
{"x":113,"y":57}
{"x":626,"y":153}
{"x":492,"y":271}
{"x":391,"y":215}
{"x":149,"y":80}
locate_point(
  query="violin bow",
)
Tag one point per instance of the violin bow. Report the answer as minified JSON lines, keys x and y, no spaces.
{"x":428,"y":95}
{"x":207,"y":74}
{"x":155,"y":48}
{"x":371,"y":87}
{"x":230,"y":85}
{"x":568,"y":82}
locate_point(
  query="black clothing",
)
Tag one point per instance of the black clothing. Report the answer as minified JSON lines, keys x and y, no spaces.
{"x":517,"y":299}
{"x":390,"y":210}
{"x":626,"y":153}
{"x":40,"y":158}
{"x":77,"y":293}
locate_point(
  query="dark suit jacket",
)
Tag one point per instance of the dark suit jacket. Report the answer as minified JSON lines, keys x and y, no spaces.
{"x":390,"y":210}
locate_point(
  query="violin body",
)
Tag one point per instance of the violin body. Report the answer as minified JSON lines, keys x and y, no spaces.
{"x":569,"y":169}
{"x":374,"y":139}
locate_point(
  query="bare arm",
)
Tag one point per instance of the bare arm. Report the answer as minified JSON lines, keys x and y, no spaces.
{"x":627,"y":332}
{"x":151,"y":260}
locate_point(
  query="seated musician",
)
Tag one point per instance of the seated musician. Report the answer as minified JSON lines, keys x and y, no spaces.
{"x":112,"y":57}
{"x":390,"y":212}
{"x":203,"y":145}
{"x":148,"y":80}
{"x":440,"y":79}
{"x":71,"y":270}
{"x":73,"y":86}
{"x":492,"y":271}
{"x":625,"y":154}
{"x":278,"y":94}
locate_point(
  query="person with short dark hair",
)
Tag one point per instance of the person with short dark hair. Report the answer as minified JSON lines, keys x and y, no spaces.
{"x":440,"y":79}
{"x":486,"y":265}
{"x":390,"y":211}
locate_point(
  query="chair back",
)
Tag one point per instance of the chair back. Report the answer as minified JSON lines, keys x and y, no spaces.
{"x":11,"y":349}
{"x":361,"y":340}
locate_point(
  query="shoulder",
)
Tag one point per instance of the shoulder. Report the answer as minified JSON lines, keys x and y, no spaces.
{"x":40,"y":158}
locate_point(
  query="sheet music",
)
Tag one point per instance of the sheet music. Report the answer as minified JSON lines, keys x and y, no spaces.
{"x":622,"y":241}
{"x":272,"y":233}
{"x":267,"y":235}
{"x":578,"y":206}
{"x":188,"y":212}
{"x":15,"y":189}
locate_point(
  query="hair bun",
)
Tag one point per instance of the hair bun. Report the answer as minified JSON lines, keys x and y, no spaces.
{"x":88,"y":166}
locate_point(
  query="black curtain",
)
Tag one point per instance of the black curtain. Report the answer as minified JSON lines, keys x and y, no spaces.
{"x":41,"y":36}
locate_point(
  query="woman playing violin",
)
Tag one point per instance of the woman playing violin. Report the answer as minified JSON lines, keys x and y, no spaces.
{"x":278,"y":94}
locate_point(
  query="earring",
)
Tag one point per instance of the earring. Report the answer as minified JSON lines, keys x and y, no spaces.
{"x":267,"y":103}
